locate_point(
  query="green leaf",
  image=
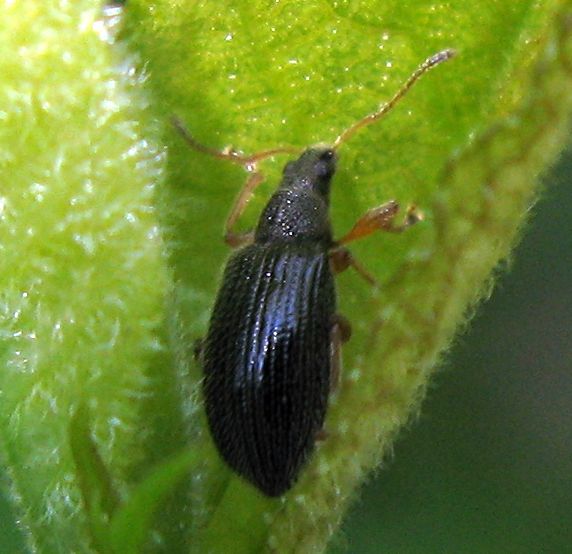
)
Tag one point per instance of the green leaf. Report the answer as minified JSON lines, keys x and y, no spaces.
{"x":85,"y":276}
{"x":131,"y":525}
{"x":100,"y":499}
{"x":460,"y":146}
{"x":115,"y":526}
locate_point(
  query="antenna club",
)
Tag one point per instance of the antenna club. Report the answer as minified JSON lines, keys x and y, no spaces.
{"x":442,"y":56}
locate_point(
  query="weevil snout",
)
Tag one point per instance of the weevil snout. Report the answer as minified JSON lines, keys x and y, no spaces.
{"x":313,"y":169}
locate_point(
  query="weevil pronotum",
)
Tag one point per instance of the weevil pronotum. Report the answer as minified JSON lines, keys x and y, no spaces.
{"x":272,"y":351}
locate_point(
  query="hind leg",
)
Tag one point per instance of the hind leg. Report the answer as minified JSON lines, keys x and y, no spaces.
{"x":198,"y":350}
{"x":340,"y":333}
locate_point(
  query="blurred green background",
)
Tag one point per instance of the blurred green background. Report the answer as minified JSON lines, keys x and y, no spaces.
{"x":487,"y":467}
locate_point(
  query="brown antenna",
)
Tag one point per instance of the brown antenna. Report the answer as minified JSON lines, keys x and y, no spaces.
{"x":429,"y":63}
{"x":230,"y":155}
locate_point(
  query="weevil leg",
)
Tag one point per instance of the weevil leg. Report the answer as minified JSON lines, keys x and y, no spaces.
{"x":341,"y":258}
{"x":344,"y":326}
{"x":248,"y":162}
{"x":321,"y":435}
{"x":236,"y":239}
{"x":340,"y":333}
{"x":381,"y":218}
{"x":198,"y":350}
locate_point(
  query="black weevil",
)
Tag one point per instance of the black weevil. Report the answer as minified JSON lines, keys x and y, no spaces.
{"x":271,"y":354}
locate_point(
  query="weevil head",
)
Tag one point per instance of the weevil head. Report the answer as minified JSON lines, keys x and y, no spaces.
{"x":313,"y":170}
{"x":298,"y":210}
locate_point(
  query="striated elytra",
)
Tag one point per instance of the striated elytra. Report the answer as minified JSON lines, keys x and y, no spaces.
{"x":266,"y":356}
{"x":272,"y":351}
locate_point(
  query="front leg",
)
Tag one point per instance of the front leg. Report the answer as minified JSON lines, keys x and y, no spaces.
{"x":381,"y":218}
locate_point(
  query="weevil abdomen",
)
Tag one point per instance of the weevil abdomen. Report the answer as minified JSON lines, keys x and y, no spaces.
{"x":267,"y":360}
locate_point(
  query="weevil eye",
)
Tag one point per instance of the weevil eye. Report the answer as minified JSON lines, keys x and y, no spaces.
{"x":325,"y":166}
{"x":322,"y":169}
